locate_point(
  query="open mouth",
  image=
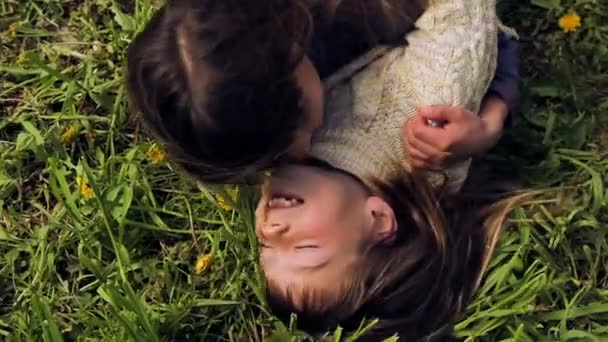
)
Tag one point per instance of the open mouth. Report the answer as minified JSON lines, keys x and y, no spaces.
{"x":283,"y":201}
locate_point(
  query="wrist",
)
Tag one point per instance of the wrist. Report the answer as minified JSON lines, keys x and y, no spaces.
{"x":493,"y":126}
{"x":494,"y":105}
{"x":493,"y":115}
{"x":494,"y":112}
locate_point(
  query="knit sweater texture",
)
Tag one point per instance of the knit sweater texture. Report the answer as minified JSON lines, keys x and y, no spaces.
{"x":450,"y":59}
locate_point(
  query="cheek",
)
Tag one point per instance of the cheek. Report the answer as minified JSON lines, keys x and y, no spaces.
{"x":315,"y":223}
{"x":345,"y":216}
{"x":328,"y":221}
{"x":318,"y":222}
{"x":319,"y":106}
{"x":300,"y":146}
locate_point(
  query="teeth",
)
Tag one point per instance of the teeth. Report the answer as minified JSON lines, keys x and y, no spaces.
{"x":282,"y":202}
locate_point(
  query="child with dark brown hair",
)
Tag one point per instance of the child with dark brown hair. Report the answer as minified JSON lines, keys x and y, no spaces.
{"x":214,"y":80}
{"x":366,"y":235}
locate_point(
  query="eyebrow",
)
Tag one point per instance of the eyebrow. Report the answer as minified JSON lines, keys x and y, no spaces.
{"x":315,"y":267}
{"x":306,"y":267}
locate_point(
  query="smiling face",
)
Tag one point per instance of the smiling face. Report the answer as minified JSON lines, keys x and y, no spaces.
{"x":315,"y":223}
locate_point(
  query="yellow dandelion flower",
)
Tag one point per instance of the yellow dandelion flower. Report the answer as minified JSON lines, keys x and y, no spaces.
{"x":12,"y":29}
{"x":233,"y":193}
{"x":221,"y":201}
{"x":156,"y":154}
{"x":570,"y":22}
{"x":22,"y":58}
{"x":69,"y":135}
{"x":202,"y":263}
{"x":85,"y":189}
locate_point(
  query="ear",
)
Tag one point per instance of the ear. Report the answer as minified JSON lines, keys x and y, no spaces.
{"x":382,"y":220}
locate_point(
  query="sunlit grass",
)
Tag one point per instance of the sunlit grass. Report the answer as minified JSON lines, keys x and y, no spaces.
{"x":100,"y":236}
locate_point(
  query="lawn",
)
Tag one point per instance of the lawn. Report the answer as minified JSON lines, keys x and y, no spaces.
{"x":103,"y":240}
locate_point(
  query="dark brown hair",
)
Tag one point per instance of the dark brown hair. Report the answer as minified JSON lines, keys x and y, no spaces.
{"x":214,"y":81}
{"x":345,"y":29}
{"x":375,"y":22}
{"x":415,"y":287}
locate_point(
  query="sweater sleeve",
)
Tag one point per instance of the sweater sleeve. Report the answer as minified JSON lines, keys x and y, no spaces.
{"x":451,"y":57}
{"x":506,"y":80}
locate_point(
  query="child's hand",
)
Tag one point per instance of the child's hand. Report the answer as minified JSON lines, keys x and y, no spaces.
{"x":438,"y":133}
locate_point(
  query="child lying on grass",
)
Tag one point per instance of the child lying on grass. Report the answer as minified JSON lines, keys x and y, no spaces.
{"x":335,"y":251}
{"x":364,"y":235}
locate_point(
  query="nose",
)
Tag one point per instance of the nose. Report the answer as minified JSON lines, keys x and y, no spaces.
{"x":273,"y":230}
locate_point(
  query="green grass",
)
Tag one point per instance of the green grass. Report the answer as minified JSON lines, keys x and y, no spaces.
{"x":121,"y":265}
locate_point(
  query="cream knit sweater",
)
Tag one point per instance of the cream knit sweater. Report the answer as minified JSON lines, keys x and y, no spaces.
{"x":450,"y":59}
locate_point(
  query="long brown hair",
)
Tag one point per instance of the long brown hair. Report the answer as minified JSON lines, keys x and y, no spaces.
{"x":418,"y":286}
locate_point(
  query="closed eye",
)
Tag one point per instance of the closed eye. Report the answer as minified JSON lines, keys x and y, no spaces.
{"x":307,"y":247}
{"x":263,"y":245}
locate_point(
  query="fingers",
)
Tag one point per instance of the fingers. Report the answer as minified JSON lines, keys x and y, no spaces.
{"x":431,"y":146}
{"x":419,"y":160}
{"x":428,"y":136}
{"x":422,"y":154}
{"x":442,"y":113}
{"x":424,"y":147}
